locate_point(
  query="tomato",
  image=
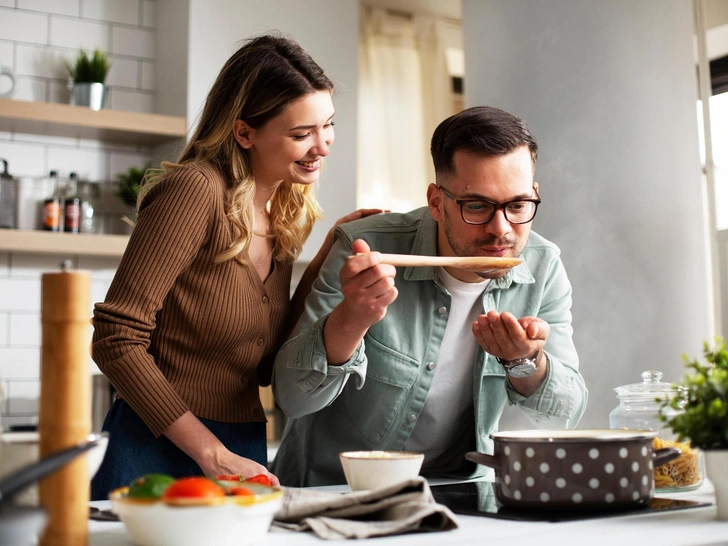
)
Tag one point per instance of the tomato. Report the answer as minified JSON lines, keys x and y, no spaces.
{"x":150,"y":486}
{"x":240,"y":491}
{"x":229,"y":478}
{"x":262,"y":479}
{"x":195,"y":487}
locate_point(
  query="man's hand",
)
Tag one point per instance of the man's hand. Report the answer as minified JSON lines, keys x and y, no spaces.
{"x":309,"y":275}
{"x":368,"y":289}
{"x":367,"y":285}
{"x":504,"y":336}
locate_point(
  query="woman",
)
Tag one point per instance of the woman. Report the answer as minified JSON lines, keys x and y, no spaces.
{"x":200,"y":301}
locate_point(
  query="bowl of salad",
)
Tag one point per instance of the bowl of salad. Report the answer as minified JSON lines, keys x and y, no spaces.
{"x":159,"y":510}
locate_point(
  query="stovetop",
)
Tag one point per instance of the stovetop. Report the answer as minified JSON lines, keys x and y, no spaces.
{"x":478,"y":499}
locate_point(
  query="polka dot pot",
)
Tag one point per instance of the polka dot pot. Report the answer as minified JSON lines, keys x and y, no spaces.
{"x":574,"y":469}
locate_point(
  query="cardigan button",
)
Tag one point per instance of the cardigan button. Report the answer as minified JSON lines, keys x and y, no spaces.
{"x":260,"y":342}
{"x":412,"y":418}
{"x":431,"y":366}
{"x":442,"y":310}
{"x":265,"y":299}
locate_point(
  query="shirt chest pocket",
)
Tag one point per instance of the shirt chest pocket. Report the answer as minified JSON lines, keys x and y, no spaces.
{"x":375,"y":408}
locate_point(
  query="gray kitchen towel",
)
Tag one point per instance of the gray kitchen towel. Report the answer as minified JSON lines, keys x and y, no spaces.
{"x":404,"y":507}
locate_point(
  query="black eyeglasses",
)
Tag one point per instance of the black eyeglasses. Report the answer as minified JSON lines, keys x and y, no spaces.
{"x":479,"y":211}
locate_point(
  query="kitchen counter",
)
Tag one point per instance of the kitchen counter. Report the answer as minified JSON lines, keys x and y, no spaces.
{"x":675,"y":528}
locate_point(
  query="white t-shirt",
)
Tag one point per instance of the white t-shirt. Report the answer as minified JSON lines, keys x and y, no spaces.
{"x":447,"y":419}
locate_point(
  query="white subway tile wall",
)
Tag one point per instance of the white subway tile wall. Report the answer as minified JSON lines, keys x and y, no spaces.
{"x":20,"y":326}
{"x":35,"y":38}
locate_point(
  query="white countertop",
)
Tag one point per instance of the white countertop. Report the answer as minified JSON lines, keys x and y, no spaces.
{"x":689,"y":527}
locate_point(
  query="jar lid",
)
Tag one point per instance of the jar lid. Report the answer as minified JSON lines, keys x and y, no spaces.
{"x":650,"y":386}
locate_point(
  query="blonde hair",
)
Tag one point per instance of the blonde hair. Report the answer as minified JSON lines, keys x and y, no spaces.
{"x":259,"y":80}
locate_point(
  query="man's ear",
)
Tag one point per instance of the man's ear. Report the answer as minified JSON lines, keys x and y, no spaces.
{"x":434,"y":202}
{"x":243,"y":134}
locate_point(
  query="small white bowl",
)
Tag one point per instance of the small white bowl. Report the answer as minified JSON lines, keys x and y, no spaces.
{"x":375,"y":469}
{"x":231,"y":521}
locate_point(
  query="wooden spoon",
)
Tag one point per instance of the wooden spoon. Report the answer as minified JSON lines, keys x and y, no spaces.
{"x":481,"y":265}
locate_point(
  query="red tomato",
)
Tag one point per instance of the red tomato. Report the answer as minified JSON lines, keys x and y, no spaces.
{"x":240,"y":491}
{"x":195,"y":487}
{"x":262,"y":479}
{"x":229,"y":478}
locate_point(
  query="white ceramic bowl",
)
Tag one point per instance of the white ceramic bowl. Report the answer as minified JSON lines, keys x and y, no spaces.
{"x":375,"y":469}
{"x":232,"y":521}
{"x":18,"y":449}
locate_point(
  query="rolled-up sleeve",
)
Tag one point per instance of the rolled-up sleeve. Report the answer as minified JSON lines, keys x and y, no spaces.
{"x":303,"y":381}
{"x":561,"y":399}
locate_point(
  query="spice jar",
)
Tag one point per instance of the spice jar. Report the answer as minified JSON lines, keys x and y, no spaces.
{"x":640,"y":407}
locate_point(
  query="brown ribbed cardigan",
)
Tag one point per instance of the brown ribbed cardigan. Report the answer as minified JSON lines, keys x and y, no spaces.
{"x":177,"y":332}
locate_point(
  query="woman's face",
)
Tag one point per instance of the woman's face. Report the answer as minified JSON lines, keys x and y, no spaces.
{"x":291,"y":146}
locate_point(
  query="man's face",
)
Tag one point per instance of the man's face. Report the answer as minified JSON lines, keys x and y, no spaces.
{"x":490,"y":178}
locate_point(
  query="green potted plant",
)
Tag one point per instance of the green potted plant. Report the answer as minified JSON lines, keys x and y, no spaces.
{"x":128,"y":182}
{"x":701,"y":415}
{"x":89,"y":74}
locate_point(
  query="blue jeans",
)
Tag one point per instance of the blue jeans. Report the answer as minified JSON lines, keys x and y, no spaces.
{"x":134,"y":451}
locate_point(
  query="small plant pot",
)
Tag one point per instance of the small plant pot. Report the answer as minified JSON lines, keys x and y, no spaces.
{"x":92,"y":95}
{"x":716,"y":463}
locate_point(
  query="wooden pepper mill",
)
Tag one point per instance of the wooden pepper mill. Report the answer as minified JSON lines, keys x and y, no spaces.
{"x":65,"y":402}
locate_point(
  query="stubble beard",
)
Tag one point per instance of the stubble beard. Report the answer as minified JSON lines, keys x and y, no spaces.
{"x":466,"y":248}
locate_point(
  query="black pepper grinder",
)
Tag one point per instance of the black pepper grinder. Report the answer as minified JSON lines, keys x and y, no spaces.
{"x":8,"y":198}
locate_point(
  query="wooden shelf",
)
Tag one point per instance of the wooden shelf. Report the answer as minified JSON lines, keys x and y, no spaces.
{"x":47,"y":242}
{"x":45,"y":118}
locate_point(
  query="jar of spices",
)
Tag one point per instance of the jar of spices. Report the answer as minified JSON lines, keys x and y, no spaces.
{"x":640,"y":407}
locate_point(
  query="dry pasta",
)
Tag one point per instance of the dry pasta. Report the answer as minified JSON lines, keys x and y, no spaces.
{"x":683,"y":471}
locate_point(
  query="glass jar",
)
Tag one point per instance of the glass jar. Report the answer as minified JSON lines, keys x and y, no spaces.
{"x":640,"y":407}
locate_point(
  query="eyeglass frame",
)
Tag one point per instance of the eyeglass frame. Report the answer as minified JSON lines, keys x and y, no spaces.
{"x":496,"y":207}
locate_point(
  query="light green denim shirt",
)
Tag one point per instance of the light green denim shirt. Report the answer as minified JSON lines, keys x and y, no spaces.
{"x":373,"y":400}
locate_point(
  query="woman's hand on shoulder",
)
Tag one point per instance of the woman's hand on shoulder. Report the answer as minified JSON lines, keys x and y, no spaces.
{"x":356,"y":215}
{"x":227,"y":462}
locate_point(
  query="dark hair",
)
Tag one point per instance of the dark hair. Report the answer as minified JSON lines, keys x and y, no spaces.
{"x":481,"y":130}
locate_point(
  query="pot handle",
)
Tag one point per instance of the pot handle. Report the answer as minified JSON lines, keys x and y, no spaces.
{"x":23,"y":477}
{"x":486,"y":460}
{"x":665,"y":455}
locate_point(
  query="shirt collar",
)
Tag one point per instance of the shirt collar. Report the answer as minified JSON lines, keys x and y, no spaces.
{"x":426,"y":245}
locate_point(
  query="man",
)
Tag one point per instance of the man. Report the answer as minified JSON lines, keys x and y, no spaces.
{"x":425,"y":359}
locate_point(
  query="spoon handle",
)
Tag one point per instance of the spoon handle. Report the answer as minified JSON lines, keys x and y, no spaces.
{"x":472,"y":263}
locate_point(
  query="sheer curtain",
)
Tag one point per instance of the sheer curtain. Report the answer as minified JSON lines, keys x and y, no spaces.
{"x":404,"y":93}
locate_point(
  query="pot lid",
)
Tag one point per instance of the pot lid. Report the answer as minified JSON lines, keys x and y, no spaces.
{"x":585,"y":435}
{"x":651,"y":385}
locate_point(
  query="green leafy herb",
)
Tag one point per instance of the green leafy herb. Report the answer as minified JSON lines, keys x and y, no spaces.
{"x":703,"y":408}
{"x":89,"y":69}
{"x":127,"y":183}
